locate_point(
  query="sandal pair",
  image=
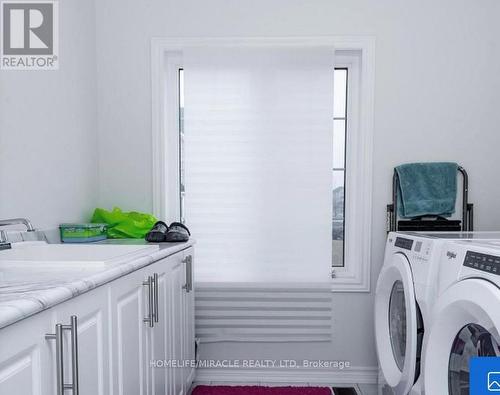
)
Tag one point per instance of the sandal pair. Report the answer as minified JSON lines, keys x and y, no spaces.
{"x":161,"y":232}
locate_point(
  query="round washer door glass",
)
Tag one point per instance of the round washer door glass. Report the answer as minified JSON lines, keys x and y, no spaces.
{"x":397,"y":323}
{"x":471,"y":341}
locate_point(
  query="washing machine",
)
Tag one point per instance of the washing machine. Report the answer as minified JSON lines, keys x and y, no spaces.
{"x":406,"y":292}
{"x":466,"y":318}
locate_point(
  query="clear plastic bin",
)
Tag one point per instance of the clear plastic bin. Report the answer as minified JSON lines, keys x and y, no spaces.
{"x":83,"y":233}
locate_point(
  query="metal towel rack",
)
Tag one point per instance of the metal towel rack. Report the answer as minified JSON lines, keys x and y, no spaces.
{"x":467,"y":208}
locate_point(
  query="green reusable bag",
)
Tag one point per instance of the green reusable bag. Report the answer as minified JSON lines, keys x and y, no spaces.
{"x":124,"y":225}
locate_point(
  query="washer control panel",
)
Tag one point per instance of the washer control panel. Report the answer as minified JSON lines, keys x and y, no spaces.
{"x":402,"y":242}
{"x":420,"y":249}
{"x":484,"y":262}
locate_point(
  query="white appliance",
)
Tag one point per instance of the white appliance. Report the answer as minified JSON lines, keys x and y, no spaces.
{"x":406,"y":291}
{"x":466,"y":319}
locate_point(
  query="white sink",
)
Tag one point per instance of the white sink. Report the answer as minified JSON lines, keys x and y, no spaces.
{"x":60,"y":256}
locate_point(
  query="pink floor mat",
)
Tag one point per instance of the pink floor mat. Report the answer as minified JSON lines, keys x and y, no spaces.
{"x":256,"y":390}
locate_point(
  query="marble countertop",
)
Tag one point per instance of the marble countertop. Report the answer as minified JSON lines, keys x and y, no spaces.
{"x":23,"y":296}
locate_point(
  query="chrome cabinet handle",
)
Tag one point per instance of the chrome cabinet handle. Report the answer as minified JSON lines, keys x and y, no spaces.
{"x":149,"y":319}
{"x":155,"y":293}
{"x":58,"y":337}
{"x":73,"y":327}
{"x":189,"y":273}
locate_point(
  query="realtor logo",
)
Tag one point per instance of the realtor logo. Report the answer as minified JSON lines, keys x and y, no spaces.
{"x":29,"y":35}
{"x":494,"y":381}
{"x":484,"y":375}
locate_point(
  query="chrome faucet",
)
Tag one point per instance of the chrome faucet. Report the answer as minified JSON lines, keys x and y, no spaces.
{"x":14,"y":221}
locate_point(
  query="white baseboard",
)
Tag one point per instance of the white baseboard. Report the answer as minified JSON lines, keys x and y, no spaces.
{"x":353,"y":375}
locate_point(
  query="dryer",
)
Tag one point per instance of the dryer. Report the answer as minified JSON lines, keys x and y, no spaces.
{"x":406,"y":291}
{"x":402,"y":300}
{"x":466,"y":318}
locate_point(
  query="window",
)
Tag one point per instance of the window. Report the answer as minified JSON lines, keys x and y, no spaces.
{"x":182,"y":170}
{"x":339,"y":147}
{"x":258,"y":132}
{"x":351,"y":172}
{"x":349,"y":193}
{"x":340,"y":94}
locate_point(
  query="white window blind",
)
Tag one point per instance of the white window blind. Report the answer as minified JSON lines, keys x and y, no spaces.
{"x":258,"y":159}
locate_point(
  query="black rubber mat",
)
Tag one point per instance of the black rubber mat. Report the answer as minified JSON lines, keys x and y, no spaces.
{"x":345,"y":391}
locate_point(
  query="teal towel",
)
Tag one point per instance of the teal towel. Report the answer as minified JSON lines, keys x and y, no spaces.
{"x":427,"y":189}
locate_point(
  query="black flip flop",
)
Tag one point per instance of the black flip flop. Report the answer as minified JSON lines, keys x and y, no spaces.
{"x":158,"y":233}
{"x":177,"y":232}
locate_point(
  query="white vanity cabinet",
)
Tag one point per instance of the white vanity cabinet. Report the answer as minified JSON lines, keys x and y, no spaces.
{"x":157,"y":337}
{"x":121,"y":329}
{"x":90,"y":316}
{"x":26,"y":358}
{"x":188,"y":333}
{"x":176,"y":333}
{"x":35,"y":360}
{"x":170,"y":343}
{"x":128,"y":355}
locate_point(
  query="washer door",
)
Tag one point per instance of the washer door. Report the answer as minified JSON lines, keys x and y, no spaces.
{"x":467,"y":321}
{"x":396,"y":324}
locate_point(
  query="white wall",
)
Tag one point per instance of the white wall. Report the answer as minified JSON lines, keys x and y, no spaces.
{"x":48,"y":129}
{"x":437,"y":85}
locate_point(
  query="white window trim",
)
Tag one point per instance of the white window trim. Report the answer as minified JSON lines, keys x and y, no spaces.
{"x":355,"y":275}
{"x":351,"y":277}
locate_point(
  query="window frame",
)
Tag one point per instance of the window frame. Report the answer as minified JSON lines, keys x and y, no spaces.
{"x":166,"y":59}
{"x":353,"y":276}
{"x":345,"y":118}
{"x":180,"y":119}
{"x":166,"y":155}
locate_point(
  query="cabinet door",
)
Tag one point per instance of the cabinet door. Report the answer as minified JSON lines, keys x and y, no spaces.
{"x":188,"y":317}
{"x":176,"y":329}
{"x":91,"y":310}
{"x":26,"y":365}
{"x":157,"y":336}
{"x":164,"y":342}
{"x":128,"y":298}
